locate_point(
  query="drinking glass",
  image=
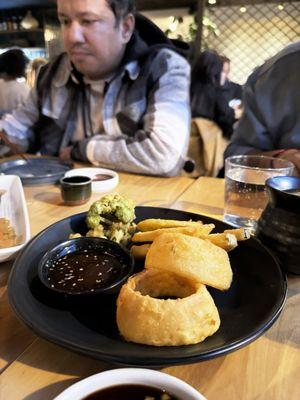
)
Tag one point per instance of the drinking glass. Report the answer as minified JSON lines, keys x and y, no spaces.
{"x":245,"y":191}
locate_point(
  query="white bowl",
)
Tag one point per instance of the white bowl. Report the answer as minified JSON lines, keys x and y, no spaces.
{"x":101,"y":185}
{"x":140,"y":376}
{"x":13,"y":207}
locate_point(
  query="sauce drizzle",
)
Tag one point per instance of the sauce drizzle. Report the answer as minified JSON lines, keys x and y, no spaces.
{"x":84,"y":271}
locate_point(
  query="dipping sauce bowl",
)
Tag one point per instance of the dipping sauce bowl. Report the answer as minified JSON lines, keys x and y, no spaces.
{"x":75,"y":190}
{"x":86,"y":266}
{"x":95,"y":386}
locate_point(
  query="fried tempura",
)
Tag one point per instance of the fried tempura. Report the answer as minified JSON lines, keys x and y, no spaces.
{"x":192,"y":258}
{"x":140,"y":251}
{"x":187,"y":317}
{"x":198,"y":231}
{"x":153,"y":224}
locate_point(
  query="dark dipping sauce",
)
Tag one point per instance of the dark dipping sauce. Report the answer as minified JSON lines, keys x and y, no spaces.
{"x":102,"y":177}
{"x":131,"y":392}
{"x":85,"y":271}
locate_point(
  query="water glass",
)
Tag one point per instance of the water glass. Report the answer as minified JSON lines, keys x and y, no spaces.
{"x":245,"y":191}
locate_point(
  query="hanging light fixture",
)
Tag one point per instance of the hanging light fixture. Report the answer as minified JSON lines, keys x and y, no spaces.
{"x":243,"y":9}
{"x":212,"y":2}
{"x":280,"y":7}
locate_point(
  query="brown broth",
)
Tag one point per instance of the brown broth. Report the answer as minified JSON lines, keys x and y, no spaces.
{"x":85,"y":271}
{"x":130,"y":392}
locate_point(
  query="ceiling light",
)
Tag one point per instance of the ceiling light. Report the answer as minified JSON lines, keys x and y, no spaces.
{"x":280,"y":7}
{"x":243,"y":9}
{"x":212,"y":1}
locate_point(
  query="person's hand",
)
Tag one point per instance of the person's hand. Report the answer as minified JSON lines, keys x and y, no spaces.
{"x":292,"y":155}
{"x":65,"y":153}
{"x":238,"y":112}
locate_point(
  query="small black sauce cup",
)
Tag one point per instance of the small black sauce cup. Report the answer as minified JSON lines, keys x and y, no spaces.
{"x":75,"y":190}
{"x":87,"y":244}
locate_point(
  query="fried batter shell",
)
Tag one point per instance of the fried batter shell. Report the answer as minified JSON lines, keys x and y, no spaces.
{"x":157,"y":223}
{"x":143,"y":318}
{"x":192,"y":258}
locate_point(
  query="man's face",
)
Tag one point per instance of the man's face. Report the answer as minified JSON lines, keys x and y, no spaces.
{"x":91,"y":36}
{"x":225,"y":72}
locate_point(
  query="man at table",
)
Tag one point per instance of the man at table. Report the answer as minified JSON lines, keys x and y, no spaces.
{"x":270,"y":124}
{"x":118,"y":98}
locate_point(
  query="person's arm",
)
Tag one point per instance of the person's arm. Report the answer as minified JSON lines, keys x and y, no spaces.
{"x":160,"y":146}
{"x":16,"y":126}
{"x":292,"y":155}
{"x":251,"y":133}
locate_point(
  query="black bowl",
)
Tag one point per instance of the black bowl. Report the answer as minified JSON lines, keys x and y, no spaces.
{"x":280,"y":196}
{"x":67,"y":279}
{"x":279,"y":224}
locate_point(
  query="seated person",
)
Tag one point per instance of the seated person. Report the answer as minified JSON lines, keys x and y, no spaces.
{"x":13,"y":90}
{"x":207,"y":100}
{"x":231,"y":90}
{"x":33,"y":70}
{"x":119,"y":97}
{"x":270,"y":124}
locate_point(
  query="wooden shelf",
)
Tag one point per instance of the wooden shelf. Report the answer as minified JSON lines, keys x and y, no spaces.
{"x":21,"y":31}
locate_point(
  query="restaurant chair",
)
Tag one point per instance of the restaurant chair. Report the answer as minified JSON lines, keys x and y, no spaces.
{"x":206,"y":149}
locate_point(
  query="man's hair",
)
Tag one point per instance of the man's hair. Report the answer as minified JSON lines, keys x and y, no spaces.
{"x":13,"y":63}
{"x":121,"y":8}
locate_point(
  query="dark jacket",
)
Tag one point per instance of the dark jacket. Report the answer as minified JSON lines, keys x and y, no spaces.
{"x":231,"y":90}
{"x":271,"y":118}
{"x":207,"y":101}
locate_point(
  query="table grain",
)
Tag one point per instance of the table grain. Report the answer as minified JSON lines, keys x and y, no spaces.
{"x":34,"y":369}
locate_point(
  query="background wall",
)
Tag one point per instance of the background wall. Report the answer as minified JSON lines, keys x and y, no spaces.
{"x":247,"y":36}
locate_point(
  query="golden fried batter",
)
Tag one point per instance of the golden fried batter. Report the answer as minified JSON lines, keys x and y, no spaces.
{"x":144,"y":317}
{"x":198,"y":231}
{"x":192,"y":258}
{"x":157,"y":223}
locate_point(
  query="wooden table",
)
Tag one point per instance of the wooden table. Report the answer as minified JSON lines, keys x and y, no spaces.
{"x":34,"y":369}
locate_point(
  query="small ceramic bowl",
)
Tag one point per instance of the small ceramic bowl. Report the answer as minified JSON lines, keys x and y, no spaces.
{"x":75,"y":190}
{"x":103,"y":180}
{"x":86,"y":266}
{"x":279,"y":224}
{"x":284,"y":192}
{"x":126,"y":376}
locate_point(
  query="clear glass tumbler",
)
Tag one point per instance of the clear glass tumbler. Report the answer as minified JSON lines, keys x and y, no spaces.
{"x":245,"y":192}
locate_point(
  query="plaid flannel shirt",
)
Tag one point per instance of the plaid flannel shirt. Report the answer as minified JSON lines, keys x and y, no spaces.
{"x":146,"y":115}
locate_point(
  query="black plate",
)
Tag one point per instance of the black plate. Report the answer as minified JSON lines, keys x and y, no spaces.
{"x":247,"y":309}
{"x":41,"y":170}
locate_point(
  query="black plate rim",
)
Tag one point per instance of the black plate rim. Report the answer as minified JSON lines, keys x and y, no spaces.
{"x":106,"y":356}
{"x":37,"y":179}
